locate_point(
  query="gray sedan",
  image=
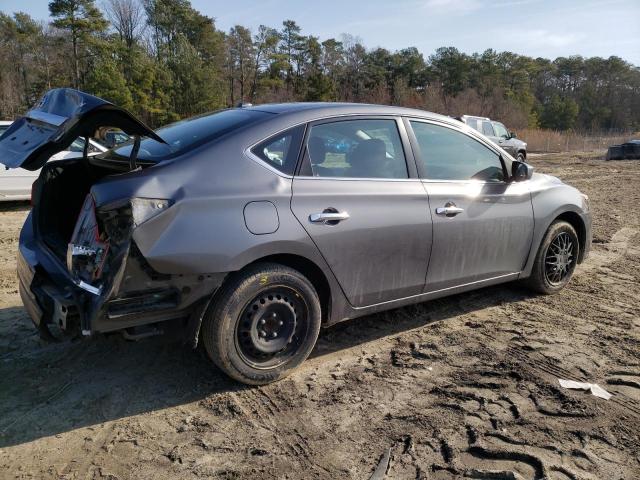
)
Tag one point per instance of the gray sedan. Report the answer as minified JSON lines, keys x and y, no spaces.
{"x":251,"y":228}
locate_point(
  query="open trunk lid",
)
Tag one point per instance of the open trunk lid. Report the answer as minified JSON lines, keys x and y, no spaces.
{"x":61,"y":116}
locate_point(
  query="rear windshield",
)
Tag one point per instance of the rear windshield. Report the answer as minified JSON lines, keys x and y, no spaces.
{"x":188,"y":134}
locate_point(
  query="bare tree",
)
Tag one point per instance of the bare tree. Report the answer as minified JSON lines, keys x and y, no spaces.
{"x":128,"y":18}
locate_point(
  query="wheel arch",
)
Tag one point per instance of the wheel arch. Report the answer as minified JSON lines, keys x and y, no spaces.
{"x":310,"y":270}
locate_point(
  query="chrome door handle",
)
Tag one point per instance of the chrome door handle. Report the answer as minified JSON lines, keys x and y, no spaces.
{"x":449,"y":210}
{"x":328,"y":218}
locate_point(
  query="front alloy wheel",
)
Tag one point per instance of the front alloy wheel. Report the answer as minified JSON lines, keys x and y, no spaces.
{"x":556,"y":258}
{"x":559,"y":259}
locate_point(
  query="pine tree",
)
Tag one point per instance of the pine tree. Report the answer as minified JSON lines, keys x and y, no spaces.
{"x":81,"y":19}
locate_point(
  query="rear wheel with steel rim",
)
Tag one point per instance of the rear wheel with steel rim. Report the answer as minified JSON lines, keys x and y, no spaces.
{"x":263,"y":323}
{"x":272,"y":327}
{"x":556,"y":258}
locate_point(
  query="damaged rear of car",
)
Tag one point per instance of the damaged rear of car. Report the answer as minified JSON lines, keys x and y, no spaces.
{"x":80,"y":265}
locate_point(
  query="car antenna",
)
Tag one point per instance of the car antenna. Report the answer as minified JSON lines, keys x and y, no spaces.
{"x":134,"y":152}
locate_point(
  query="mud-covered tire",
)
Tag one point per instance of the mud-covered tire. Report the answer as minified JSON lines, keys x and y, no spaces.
{"x":234,"y":332}
{"x":542,"y":275}
{"x":520,"y":157}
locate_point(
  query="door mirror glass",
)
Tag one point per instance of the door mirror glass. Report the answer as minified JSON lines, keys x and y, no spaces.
{"x":512,"y":135}
{"x":521,"y":171}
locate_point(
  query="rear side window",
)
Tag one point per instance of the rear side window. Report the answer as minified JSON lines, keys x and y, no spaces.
{"x":281,"y":151}
{"x":473,"y":123}
{"x":447,"y":154}
{"x":356,"y":149}
{"x":191,"y":133}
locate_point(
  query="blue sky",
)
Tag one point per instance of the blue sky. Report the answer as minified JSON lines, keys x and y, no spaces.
{"x":546,"y":28}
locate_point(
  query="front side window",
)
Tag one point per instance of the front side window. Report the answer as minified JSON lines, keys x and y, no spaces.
{"x":281,"y":151}
{"x":487,"y":129}
{"x":447,"y":154}
{"x":500,"y":129}
{"x":356,"y":149}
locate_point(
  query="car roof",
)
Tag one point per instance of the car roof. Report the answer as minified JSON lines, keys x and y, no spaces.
{"x":476,"y":117}
{"x":314,"y":109}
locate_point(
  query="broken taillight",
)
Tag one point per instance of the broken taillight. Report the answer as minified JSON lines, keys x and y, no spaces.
{"x":87,"y":251}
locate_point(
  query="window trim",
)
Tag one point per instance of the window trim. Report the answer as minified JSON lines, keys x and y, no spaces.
{"x":405,"y":143}
{"x":468,"y":132}
{"x":264,"y":162}
{"x":252,"y":156}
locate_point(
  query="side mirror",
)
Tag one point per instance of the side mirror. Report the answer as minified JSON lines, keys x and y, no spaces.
{"x":512,"y":135}
{"x":521,"y":171}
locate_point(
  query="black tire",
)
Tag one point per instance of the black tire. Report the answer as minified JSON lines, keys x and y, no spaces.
{"x":521,"y":157}
{"x":264,"y":323}
{"x":554,"y":264}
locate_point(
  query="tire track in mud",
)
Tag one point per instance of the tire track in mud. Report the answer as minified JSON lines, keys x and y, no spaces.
{"x":491,"y":459}
{"x":81,"y":467}
{"x":545,"y":365}
{"x":292,"y":443}
{"x":511,"y":458}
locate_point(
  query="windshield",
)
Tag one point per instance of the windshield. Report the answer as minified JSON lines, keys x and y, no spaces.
{"x":187,"y":134}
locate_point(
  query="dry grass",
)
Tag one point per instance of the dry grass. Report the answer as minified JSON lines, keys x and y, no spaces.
{"x":549,"y":141}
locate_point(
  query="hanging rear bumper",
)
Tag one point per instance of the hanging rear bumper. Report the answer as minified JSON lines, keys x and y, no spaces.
{"x":136,"y":295}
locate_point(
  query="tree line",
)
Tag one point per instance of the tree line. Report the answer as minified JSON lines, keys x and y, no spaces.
{"x":163,"y":60}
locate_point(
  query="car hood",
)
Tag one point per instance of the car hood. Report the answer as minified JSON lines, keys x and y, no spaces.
{"x":546,"y":179}
{"x":61,"y":116}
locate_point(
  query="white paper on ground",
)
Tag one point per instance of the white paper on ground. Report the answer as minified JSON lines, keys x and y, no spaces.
{"x":595,"y":389}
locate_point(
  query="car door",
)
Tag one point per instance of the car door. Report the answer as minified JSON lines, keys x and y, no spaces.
{"x":488,"y":131}
{"x":482,"y":222}
{"x":358,"y":196}
{"x":503,"y":137}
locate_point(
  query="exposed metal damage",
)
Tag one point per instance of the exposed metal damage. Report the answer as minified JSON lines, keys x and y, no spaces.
{"x":117,"y":286}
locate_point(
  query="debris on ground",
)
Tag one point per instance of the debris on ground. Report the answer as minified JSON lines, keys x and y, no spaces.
{"x":381,"y":470}
{"x":626,"y":151}
{"x":595,"y":389}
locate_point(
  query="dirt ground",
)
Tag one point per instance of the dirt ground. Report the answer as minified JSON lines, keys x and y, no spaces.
{"x":465,"y":386}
